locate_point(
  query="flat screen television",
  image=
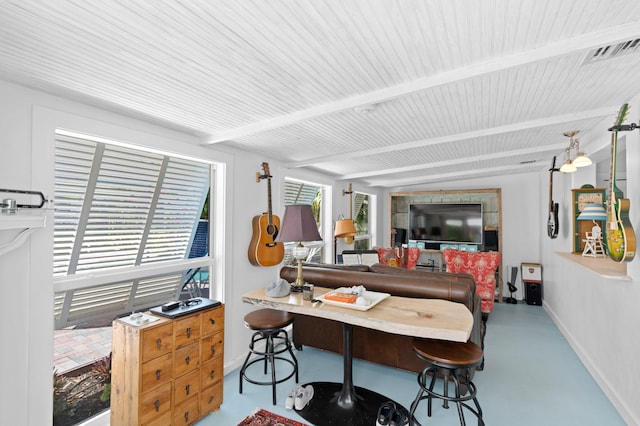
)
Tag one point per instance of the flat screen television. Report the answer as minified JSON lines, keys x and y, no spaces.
{"x":457,"y":223}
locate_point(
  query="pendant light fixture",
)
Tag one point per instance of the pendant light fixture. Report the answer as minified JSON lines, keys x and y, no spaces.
{"x":581,"y":159}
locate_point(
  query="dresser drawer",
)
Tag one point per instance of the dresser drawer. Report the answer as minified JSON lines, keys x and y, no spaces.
{"x":163,"y":420}
{"x":186,"y":412}
{"x":213,"y":321}
{"x":156,"y":372}
{"x":155,"y":403}
{"x":211,"y":398}
{"x":157,"y":341}
{"x":186,"y":330}
{"x":211,"y":372}
{"x":212,"y":347}
{"x":186,"y":359}
{"x":186,"y":386}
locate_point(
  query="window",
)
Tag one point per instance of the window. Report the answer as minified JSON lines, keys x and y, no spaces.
{"x":124,"y":228}
{"x":298,"y":192}
{"x":361,"y":220}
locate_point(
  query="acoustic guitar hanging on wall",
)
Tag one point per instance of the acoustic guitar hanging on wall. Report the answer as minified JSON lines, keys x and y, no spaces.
{"x":264,"y":250}
{"x":621,"y":240}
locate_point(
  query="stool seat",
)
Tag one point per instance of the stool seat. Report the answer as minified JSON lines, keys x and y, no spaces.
{"x":268,"y":343}
{"x":452,"y":354}
{"x":266,"y":319}
{"x":447,"y":359}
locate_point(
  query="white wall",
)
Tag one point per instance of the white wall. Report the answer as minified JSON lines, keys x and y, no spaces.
{"x":600,"y":316}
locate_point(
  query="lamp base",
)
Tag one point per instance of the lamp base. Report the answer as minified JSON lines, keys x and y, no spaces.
{"x":297,"y":286}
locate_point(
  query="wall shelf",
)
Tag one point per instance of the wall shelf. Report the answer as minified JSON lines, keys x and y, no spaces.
{"x":27,"y":222}
{"x":603,"y":266}
{"x":22,"y":220}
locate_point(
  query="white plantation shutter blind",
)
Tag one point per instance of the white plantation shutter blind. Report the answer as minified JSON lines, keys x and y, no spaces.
{"x":134,"y":207}
{"x":299,"y":192}
{"x":118,"y":207}
{"x":72,"y":170}
{"x":176,"y":214}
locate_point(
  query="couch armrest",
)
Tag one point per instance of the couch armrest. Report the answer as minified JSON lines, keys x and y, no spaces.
{"x":477,"y":332}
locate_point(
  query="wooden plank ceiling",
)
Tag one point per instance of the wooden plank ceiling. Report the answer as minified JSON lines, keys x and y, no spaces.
{"x":387,"y":92}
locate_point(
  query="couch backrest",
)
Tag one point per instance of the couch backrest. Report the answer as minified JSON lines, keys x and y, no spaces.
{"x":425,"y":286}
{"x":448,"y":276}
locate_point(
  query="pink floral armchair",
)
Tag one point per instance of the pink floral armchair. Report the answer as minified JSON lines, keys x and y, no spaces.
{"x":482,"y":265}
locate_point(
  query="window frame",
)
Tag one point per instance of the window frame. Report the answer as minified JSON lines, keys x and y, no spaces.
{"x":47,"y":120}
{"x":325,"y":228}
{"x":370,"y":235}
{"x":81,"y":295}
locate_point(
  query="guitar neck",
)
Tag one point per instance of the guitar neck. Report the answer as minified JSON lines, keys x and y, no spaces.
{"x":614,"y":190}
{"x":269,"y":199}
{"x":551,"y":191}
{"x":551,"y":170}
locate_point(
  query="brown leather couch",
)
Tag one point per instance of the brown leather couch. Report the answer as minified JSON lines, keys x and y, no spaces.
{"x":373,"y":345}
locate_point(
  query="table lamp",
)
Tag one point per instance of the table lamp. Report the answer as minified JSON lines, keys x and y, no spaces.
{"x":298,"y":225}
{"x":593,"y":212}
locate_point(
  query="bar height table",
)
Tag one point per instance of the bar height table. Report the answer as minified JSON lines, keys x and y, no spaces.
{"x":344,"y":403}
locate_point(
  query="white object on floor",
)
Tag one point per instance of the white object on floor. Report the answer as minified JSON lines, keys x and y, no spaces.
{"x":289,"y":402}
{"x":303,"y":397}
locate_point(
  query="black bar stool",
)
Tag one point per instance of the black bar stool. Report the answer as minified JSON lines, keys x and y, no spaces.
{"x":270,"y":330}
{"x":448,"y":359}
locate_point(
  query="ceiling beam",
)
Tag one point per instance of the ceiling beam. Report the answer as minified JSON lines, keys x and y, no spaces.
{"x":387,"y":183}
{"x":462,"y":160}
{"x":563,"y":47}
{"x":515,"y":127}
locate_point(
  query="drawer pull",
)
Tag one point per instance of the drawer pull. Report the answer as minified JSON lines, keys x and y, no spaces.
{"x":159,"y":343}
{"x":212,"y":321}
{"x":186,"y":416}
{"x":157,"y":404}
{"x":210,"y":399}
{"x":187,"y":359}
{"x":188,"y":389}
{"x":188,"y":331}
{"x":158,"y":374}
{"x":212,"y":373}
{"x":213,"y":349}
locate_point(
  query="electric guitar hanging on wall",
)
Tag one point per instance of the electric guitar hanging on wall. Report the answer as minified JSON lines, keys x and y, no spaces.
{"x":552,"y":221}
{"x":264,"y":250}
{"x":621,"y":240}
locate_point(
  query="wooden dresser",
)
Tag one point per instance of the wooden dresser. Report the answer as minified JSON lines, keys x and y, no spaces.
{"x":167,"y":371}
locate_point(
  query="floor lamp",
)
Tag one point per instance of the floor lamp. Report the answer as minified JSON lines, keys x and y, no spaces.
{"x":345,"y":228}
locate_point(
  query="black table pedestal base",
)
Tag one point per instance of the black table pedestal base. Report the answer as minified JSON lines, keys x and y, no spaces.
{"x":327,"y":408}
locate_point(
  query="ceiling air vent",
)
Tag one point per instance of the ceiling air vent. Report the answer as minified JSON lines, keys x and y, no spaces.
{"x":612,"y":51}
